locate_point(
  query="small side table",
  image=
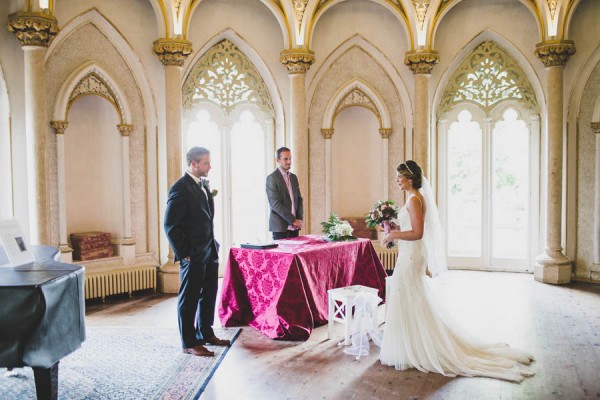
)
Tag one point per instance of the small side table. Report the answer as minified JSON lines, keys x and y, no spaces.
{"x":340,"y":305}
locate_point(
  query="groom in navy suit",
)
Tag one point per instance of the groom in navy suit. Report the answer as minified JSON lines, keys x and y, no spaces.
{"x":189,"y":228}
{"x":283,"y":193}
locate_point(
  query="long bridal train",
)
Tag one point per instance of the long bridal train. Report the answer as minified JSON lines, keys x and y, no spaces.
{"x":418,"y":334}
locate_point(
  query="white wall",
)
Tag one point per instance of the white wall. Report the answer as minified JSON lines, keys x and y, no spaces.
{"x":93,"y":168}
{"x":356,"y":148}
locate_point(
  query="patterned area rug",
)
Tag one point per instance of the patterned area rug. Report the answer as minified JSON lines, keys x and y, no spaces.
{"x":125,"y":363}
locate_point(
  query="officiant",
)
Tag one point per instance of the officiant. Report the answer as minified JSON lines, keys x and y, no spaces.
{"x":283,"y":192}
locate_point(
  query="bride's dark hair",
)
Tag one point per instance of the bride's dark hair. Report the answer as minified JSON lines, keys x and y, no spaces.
{"x":412,"y":171}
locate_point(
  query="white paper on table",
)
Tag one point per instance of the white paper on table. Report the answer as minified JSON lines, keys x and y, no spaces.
{"x":15,"y":243}
{"x":294,"y":241}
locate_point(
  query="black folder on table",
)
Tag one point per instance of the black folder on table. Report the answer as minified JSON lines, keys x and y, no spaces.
{"x":260,"y":246}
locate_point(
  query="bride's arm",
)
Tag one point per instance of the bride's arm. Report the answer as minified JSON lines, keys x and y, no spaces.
{"x":417,"y":221}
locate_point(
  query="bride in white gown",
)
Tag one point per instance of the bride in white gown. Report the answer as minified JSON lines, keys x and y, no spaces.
{"x":416,"y":333}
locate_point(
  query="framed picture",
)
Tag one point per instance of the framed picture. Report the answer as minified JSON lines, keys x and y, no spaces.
{"x":15,"y":243}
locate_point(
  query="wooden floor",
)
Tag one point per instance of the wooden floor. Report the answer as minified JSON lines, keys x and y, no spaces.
{"x":560,"y":325}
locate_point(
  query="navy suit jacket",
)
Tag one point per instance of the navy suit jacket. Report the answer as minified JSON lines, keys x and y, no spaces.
{"x":281,"y":203}
{"x":189,"y":222}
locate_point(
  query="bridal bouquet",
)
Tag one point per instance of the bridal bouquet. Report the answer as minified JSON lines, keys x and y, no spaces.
{"x":383,"y":213}
{"x":336,"y":230}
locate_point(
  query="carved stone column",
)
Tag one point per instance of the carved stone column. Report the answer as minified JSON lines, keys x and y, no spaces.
{"x":421,"y":63}
{"x":385,"y":139}
{"x":172,"y":54}
{"x":327,"y":134}
{"x":66,"y":252}
{"x":35,"y":31}
{"x":552,"y":266}
{"x":127,"y":242}
{"x":595,"y":272}
{"x":297,"y":62}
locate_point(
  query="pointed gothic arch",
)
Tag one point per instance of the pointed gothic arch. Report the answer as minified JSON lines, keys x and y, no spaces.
{"x":260,"y":66}
{"x":357,"y":93}
{"x":90,"y":79}
{"x":486,"y":78}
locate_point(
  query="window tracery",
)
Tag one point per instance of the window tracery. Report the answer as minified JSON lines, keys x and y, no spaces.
{"x":486,"y":78}
{"x":225,"y":76}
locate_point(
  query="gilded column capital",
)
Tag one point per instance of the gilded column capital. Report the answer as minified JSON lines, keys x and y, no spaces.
{"x":125,"y":129}
{"x":555,"y":52}
{"x":596,"y":127}
{"x":59,"y":126}
{"x":327,"y":133}
{"x":172,"y":51}
{"x":297,"y":61}
{"x":385,"y":133}
{"x":421,"y":61}
{"x":33,"y":28}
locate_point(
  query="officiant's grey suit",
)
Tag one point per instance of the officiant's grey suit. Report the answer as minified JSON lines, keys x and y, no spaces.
{"x":280,"y":202}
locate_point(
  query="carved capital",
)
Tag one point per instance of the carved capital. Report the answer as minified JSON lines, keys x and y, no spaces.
{"x":297,"y":61}
{"x":385,"y":133}
{"x":33,"y":28}
{"x":596,"y":127}
{"x":555,"y":53}
{"x":59,"y":126}
{"x":327,"y":133}
{"x":172,"y":51}
{"x":125,"y":129}
{"x":421,"y":61}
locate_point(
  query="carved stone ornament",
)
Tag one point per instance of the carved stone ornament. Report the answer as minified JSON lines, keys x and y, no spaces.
{"x":487,"y":77}
{"x":125,"y":129}
{"x":596,"y":127}
{"x":327,"y":133}
{"x":59,"y":127}
{"x":93,"y":84}
{"x":299,"y":8}
{"x":356,"y":97}
{"x":555,"y":53}
{"x":172,"y":52}
{"x":297,"y":61}
{"x":33,"y":29}
{"x":421,"y":62}
{"x":385,"y":133}
{"x":552,"y":5}
{"x":421,"y":7}
{"x":225,"y":77}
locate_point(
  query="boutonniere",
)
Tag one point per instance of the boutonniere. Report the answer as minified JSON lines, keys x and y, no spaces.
{"x":214,"y":192}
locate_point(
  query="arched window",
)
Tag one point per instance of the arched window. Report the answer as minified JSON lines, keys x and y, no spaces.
{"x":488,"y":129}
{"x":228,"y":109}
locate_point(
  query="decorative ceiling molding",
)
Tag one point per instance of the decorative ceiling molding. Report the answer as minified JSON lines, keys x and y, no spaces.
{"x":299,"y":8}
{"x":552,"y":6}
{"x":486,"y":78}
{"x":421,"y":7}
{"x":356,"y":97}
{"x":225,"y":77}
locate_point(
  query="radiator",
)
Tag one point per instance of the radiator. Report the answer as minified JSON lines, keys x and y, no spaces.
{"x":388,"y":258}
{"x":122,"y":280}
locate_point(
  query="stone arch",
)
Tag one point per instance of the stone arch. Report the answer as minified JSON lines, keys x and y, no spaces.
{"x":509,"y":49}
{"x":94,"y":17}
{"x":357,"y":93}
{"x":391,"y":71}
{"x":90,"y":79}
{"x":258,"y":63}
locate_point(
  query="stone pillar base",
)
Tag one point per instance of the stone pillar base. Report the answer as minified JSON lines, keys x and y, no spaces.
{"x":595,"y":273}
{"x":66,"y":253}
{"x":168,"y":278}
{"x":554,"y":270}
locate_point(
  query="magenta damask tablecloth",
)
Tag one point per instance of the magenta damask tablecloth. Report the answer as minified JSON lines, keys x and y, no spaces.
{"x":282,"y":292}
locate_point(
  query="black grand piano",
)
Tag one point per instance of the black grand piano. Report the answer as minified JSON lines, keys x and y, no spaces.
{"x":42,"y":308}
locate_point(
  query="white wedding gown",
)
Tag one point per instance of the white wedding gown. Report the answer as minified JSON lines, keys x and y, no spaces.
{"x":418,"y":335}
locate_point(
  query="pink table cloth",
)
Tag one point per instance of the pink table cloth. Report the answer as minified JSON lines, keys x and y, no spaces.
{"x":282,"y":292}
